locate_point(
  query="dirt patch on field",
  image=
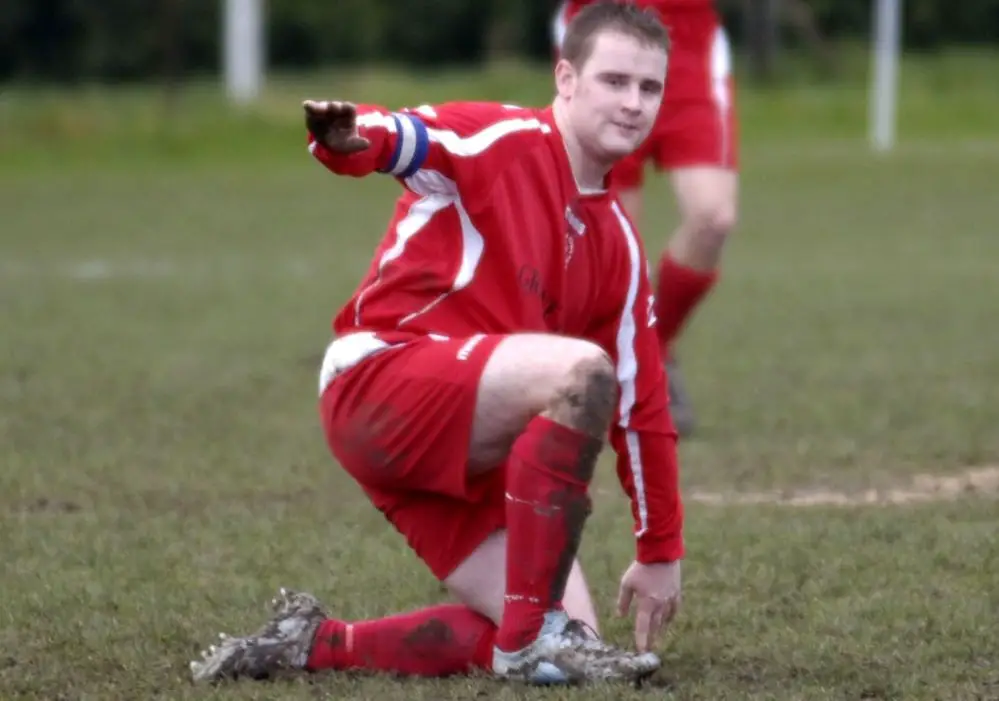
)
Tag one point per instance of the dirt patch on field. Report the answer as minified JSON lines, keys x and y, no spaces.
{"x":982,"y":481}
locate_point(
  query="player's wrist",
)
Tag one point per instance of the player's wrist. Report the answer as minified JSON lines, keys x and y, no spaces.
{"x":651,"y":549}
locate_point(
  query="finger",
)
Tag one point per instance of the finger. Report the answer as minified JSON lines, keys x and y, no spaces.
{"x":670,"y":609}
{"x":643,"y":623}
{"x":624,"y":596}
{"x":357,"y":143}
{"x":341,"y":110}
{"x":315,"y":106}
{"x":330,"y":108}
{"x":657,"y":618}
{"x":656,"y":624}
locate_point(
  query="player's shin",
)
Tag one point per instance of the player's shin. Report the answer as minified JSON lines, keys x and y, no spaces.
{"x":548,"y":502}
{"x":547,"y":506}
{"x":680,"y":289}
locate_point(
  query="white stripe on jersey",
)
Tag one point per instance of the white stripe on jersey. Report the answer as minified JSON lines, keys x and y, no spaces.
{"x":480,"y":141}
{"x":472,"y":243}
{"x":414,"y":137}
{"x":438,"y":193}
{"x":418,"y":216}
{"x":627,"y":367}
{"x":377,"y":119}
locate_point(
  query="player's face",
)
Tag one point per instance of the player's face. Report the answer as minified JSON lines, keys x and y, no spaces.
{"x":615,"y":95}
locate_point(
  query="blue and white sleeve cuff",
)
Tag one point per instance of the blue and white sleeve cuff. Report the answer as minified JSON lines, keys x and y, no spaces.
{"x":411,"y":147}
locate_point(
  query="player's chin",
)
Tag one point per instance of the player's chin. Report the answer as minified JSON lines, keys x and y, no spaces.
{"x":632,"y":135}
{"x":619,"y":148}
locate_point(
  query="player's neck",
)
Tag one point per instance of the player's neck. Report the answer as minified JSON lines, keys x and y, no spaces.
{"x":588,"y":173}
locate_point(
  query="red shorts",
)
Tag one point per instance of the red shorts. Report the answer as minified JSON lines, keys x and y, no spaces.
{"x":400,"y":423}
{"x":697,"y":123}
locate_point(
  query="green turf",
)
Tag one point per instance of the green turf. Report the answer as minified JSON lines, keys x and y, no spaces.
{"x":165,"y":291}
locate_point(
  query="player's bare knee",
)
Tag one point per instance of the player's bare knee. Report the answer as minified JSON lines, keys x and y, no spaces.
{"x":585,"y":395}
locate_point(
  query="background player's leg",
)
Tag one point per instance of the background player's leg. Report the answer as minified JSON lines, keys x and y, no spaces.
{"x":706,"y":197}
{"x":700,"y":147}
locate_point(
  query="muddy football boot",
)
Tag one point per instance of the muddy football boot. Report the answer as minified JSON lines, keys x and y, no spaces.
{"x":566,"y":652}
{"x":281,"y":646}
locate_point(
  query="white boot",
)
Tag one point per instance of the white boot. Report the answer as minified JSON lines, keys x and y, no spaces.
{"x":564,"y":653}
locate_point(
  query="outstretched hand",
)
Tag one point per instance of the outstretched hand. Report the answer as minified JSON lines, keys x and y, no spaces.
{"x":655,"y":589}
{"x":333,"y":123}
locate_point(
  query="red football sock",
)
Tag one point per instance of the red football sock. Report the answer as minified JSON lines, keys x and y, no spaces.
{"x":548,"y":478}
{"x":679,"y":290}
{"x":433,"y":642}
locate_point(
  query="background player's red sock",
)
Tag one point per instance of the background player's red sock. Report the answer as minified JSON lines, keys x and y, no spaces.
{"x":548,"y":478}
{"x":679,"y":290}
{"x":433,"y":642}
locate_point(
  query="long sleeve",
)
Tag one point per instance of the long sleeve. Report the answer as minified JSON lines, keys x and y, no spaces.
{"x":642,"y":434}
{"x":450,"y":148}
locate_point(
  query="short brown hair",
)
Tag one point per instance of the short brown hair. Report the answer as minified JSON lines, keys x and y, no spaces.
{"x":614,"y":15}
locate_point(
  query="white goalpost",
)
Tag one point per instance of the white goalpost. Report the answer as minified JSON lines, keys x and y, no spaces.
{"x":883,"y":98}
{"x":244,"y":61}
{"x":243,"y":49}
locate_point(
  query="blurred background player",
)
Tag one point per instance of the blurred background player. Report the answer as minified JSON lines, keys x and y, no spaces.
{"x":696,"y":140}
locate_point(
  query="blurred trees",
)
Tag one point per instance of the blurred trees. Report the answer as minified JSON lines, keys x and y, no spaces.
{"x":70,"y":40}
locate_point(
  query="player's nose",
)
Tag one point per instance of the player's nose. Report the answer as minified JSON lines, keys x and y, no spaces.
{"x":632,"y":99}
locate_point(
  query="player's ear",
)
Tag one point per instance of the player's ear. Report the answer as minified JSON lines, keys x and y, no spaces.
{"x":565,"y":78}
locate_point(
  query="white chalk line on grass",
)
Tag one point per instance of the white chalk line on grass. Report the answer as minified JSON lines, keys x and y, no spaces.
{"x":977,"y":481}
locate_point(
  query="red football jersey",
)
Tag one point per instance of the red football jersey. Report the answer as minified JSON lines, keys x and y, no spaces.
{"x":492,"y":235}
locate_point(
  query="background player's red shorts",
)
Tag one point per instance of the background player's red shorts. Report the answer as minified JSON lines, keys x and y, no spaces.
{"x":697,"y":122}
{"x":400,"y":423}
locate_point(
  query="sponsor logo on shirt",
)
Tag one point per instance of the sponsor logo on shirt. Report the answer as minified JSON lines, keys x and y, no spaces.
{"x":530,"y":281}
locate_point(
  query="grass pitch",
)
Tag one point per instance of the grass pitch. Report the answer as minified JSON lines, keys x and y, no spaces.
{"x":165,"y":287}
